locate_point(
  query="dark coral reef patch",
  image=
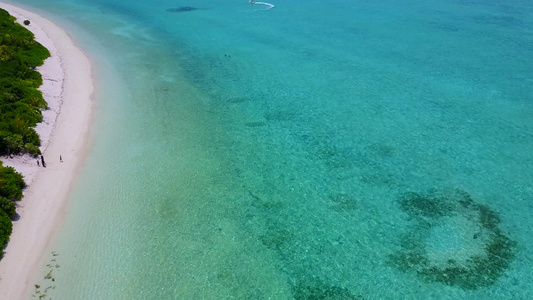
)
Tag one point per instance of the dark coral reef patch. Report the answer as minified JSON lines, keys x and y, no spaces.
{"x":181,"y":9}
{"x":316,"y":289}
{"x":479,"y":254}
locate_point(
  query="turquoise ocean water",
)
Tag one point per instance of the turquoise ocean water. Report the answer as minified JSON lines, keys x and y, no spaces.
{"x":318,"y":150}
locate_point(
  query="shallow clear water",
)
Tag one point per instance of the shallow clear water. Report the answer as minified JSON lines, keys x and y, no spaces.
{"x":319,"y":149}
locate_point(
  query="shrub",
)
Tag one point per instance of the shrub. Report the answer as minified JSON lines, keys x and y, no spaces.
{"x":7,"y":206}
{"x":11,"y":183}
{"x":20,"y":100}
{"x":14,"y":143}
{"x":26,"y":22}
{"x":5,"y":229}
{"x":32,"y":149}
{"x":32,"y":137}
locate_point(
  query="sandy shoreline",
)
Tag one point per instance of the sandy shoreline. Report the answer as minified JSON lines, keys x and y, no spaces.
{"x":67,"y":87}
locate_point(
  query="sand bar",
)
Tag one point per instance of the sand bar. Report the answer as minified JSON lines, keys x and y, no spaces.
{"x":67,"y":87}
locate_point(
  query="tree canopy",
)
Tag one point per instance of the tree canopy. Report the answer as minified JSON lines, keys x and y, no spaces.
{"x":20,"y":109}
{"x":20,"y":100}
{"x":11,"y":185}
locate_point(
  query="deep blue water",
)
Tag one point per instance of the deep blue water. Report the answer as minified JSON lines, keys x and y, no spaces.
{"x":317,"y":150}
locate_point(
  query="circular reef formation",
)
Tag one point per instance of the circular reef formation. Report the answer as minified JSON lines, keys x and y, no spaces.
{"x":454,"y":240}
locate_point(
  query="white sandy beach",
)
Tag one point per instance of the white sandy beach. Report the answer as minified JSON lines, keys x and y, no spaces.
{"x":67,"y":87}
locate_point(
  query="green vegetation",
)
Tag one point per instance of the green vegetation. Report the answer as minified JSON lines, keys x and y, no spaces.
{"x":11,"y":185}
{"x":20,"y":109}
{"x":5,"y":229}
{"x":8,"y":207}
{"x":20,"y":101}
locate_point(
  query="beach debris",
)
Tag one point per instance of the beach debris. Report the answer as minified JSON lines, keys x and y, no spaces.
{"x":51,"y":266}
{"x":37,"y":291}
{"x":49,"y":275}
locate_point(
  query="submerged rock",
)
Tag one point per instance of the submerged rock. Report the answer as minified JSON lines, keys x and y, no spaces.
{"x":181,"y":9}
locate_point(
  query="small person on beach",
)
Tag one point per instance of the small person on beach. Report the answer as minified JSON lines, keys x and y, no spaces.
{"x":60,"y":158}
{"x":38,"y":164}
{"x":42,"y":161}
